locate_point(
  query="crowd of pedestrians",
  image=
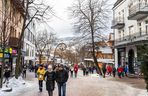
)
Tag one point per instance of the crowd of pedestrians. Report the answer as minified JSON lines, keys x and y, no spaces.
{"x":121,"y":71}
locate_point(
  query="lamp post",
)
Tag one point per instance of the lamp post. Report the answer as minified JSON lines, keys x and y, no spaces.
{"x":62,"y":46}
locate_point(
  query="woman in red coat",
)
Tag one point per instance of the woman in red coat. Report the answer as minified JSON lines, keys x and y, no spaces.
{"x":76,"y":69}
{"x":120,"y":70}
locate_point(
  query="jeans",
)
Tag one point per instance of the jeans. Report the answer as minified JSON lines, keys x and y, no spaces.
{"x":62,"y":89}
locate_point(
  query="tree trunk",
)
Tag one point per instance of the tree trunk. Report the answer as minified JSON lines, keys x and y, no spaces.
{"x":40,"y":58}
{"x":93,"y":52}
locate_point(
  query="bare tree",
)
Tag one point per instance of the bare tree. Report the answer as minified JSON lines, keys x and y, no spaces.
{"x":44,"y":42}
{"x":35,"y":12}
{"x":91,"y":16}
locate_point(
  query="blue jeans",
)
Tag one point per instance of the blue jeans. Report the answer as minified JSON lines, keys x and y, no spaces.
{"x":62,"y":89}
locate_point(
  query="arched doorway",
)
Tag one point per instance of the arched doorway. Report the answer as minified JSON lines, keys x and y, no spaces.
{"x":131,"y":61}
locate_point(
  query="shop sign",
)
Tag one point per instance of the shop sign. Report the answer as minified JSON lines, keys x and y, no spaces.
{"x":10,"y":50}
{"x":14,"y":52}
{"x":1,"y":55}
{"x":7,"y":50}
{"x":6,"y":55}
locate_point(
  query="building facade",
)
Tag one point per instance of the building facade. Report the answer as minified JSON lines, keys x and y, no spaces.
{"x":104,"y":52}
{"x":130,"y":26}
{"x":11,"y":23}
{"x":29,"y":47}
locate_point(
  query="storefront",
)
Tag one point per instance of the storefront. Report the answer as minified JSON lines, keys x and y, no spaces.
{"x":8,"y":57}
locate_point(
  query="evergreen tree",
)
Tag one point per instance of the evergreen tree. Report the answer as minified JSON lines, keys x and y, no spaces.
{"x":143,"y":57}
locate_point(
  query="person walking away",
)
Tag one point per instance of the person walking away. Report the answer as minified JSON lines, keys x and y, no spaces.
{"x":87,"y":71}
{"x":71,"y":71}
{"x":36,"y":69}
{"x":24,"y":71}
{"x":126,"y":70}
{"x":7,"y":74}
{"x":50,"y":80}
{"x":76,"y":69}
{"x":41,"y":72}
{"x":114,"y":71}
{"x":61,"y":79}
{"x":119,"y":71}
{"x":84,"y":70}
{"x":109,"y":70}
{"x":104,"y":70}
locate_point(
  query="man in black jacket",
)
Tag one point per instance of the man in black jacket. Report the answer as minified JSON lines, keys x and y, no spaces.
{"x":61,"y":79}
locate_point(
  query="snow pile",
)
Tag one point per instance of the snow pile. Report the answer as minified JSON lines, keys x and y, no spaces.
{"x":16,"y":82}
{"x":16,"y":85}
{"x":143,"y":93}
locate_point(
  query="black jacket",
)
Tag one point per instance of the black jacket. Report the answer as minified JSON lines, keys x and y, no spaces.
{"x":61,"y":76}
{"x":50,"y":80}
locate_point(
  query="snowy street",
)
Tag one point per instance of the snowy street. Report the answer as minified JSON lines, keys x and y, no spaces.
{"x":82,"y":86}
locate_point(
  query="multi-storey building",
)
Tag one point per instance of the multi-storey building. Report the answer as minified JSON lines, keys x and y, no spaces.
{"x":29,"y":47}
{"x":130,"y":25}
{"x":11,"y":23}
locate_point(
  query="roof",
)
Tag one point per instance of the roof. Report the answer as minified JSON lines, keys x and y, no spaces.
{"x":101,"y":60}
{"x":106,"y":50}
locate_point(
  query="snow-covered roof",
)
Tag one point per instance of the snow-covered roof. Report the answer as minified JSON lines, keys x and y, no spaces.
{"x":101,"y":60}
{"x":106,"y":50}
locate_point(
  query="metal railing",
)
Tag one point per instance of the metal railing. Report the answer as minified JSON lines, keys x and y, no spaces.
{"x":138,"y":7}
{"x":117,"y":20}
{"x":131,"y":37}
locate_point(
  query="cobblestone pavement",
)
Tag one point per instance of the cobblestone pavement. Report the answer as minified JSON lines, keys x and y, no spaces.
{"x":86,"y":86}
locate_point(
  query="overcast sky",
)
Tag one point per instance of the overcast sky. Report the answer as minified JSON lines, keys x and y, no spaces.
{"x":62,"y":26}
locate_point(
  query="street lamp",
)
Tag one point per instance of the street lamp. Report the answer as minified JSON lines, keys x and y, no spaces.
{"x":61,"y":46}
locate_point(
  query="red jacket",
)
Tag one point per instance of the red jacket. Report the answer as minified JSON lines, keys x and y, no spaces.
{"x":120,"y":69}
{"x":109,"y":68}
{"x":76,"y":67}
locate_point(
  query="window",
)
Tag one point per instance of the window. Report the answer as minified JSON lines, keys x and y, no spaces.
{"x":146,"y":3}
{"x":120,"y":35}
{"x":146,"y":27}
{"x":123,"y":34}
{"x":140,"y":28}
{"x":27,"y":50}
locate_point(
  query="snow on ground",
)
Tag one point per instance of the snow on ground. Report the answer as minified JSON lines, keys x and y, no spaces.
{"x":17,"y":86}
{"x":92,"y":85}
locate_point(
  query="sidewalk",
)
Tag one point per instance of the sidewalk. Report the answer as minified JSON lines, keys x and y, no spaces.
{"x":134,"y":82}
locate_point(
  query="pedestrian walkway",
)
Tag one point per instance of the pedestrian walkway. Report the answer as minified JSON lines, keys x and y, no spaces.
{"x":92,"y":85}
{"x":135,"y":82}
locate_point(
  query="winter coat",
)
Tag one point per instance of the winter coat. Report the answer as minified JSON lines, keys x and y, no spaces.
{"x":126,"y":69}
{"x":50,"y":80}
{"x":61,"y":76}
{"x":41,"y":73}
{"x":114,"y":69}
{"x":76,"y":68}
{"x":7,"y":73}
{"x":109,"y":68}
{"x":120,"y":70}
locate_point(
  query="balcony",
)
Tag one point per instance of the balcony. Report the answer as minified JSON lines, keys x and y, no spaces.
{"x":13,"y":42}
{"x":135,"y":38}
{"x":118,"y":23}
{"x":138,"y":12}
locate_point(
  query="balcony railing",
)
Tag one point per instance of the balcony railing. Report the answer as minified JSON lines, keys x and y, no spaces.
{"x":118,"y":23}
{"x":138,"y":11}
{"x":139,"y":36}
